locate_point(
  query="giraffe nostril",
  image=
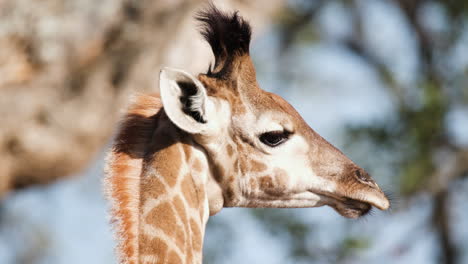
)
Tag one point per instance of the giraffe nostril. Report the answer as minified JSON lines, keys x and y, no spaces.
{"x":363,"y":176}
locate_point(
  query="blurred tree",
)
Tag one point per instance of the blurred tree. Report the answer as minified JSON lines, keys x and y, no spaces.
{"x":417,"y":133}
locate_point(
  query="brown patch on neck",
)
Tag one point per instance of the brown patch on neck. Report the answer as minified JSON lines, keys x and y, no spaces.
{"x":157,"y":245}
{"x":174,"y":258}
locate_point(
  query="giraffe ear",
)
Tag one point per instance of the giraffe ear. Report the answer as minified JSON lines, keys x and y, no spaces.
{"x":184,"y":99}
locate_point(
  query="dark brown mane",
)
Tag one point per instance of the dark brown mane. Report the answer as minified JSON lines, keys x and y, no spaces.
{"x":229,"y":37}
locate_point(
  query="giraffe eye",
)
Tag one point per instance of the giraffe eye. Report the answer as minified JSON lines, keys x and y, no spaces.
{"x":274,"y":138}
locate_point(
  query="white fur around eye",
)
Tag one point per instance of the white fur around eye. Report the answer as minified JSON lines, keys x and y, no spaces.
{"x":272,"y":121}
{"x":270,"y":127}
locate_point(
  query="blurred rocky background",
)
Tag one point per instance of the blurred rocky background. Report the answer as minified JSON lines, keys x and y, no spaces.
{"x":384,"y":80}
{"x":67,"y":67}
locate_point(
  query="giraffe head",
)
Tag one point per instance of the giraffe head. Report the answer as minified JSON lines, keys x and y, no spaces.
{"x":261,"y":152}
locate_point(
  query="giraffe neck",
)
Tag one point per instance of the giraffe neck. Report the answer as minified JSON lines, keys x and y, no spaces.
{"x":173,"y":203}
{"x":155,"y":179}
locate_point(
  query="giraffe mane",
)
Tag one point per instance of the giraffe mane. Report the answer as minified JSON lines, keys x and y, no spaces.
{"x":229,"y":38}
{"x":123,"y":169}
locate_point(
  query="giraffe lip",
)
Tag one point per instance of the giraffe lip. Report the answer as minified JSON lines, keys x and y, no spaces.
{"x":352,"y":208}
{"x":347,"y":207}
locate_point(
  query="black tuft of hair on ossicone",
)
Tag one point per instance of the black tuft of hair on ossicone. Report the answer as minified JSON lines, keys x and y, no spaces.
{"x":228,"y":35}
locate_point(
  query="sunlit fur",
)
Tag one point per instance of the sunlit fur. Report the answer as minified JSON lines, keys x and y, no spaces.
{"x":123,"y":170}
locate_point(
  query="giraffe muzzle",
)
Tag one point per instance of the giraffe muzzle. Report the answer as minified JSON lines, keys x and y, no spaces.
{"x":356,"y":203}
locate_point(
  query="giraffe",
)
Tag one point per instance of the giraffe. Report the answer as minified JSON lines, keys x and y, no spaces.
{"x":218,"y":140}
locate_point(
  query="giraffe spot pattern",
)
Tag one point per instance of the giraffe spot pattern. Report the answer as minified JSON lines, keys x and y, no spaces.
{"x":188,"y":190}
{"x":152,"y":187}
{"x":281,"y":178}
{"x":182,"y":233}
{"x":173,"y":258}
{"x":196,"y":235}
{"x":266,"y":182}
{"x":257,"y":166}
{"x":168,"y":164}
{"x":166,"y":223}
{"x":229,"y":150}
{"x":148,"y":247}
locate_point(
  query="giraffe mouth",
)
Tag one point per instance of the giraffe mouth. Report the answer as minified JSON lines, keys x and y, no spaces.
{"x":347,"y":207}
{"x":351,"y":208}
